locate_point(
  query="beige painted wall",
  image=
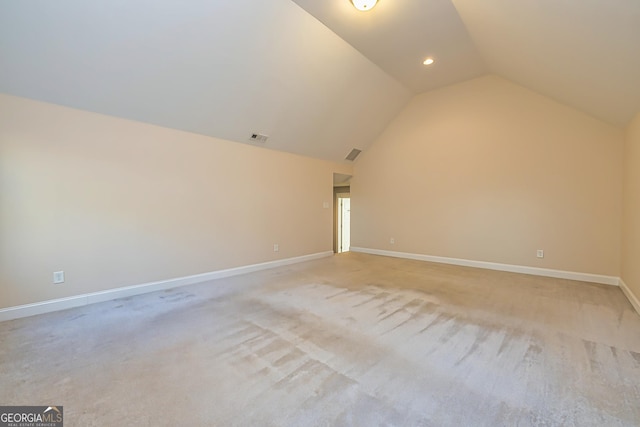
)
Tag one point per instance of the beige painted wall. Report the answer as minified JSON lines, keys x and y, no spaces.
{"x":487,"y":170}
{"x":631,"y":221}
{"x":116,"y":203}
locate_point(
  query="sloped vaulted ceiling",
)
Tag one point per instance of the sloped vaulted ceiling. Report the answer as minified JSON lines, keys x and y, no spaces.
{"x":399,"y":35}
{"x":584,"y":53}
{"x":214,"y":67}
{"x":318,"y":77}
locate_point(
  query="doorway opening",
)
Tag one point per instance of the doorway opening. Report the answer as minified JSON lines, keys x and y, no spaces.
{"x":344,"y":223}
{"x":341,"y":213}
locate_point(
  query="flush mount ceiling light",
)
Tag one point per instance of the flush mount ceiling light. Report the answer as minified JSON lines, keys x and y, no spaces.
{"x":428,"y":61}
{"x":364,"y":5}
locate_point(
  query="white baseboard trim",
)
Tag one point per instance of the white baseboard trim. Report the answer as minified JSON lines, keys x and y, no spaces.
{"x":558,"y":274}
{"x":633,"y":299}
{"x":26,"y":310}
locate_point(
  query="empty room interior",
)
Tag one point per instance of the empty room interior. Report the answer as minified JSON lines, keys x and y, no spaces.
{"x":318,"y":213}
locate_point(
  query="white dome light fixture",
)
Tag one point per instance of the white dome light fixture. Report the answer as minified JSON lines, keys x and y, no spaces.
{"x":364,"y":5}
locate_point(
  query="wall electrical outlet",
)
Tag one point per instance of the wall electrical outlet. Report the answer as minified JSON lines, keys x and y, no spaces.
{"x":58,"y":277}
{"x":392,"y":240}
{"x":325,"y":205}
{"x":540,"y":253}
{"x":276,"y":247}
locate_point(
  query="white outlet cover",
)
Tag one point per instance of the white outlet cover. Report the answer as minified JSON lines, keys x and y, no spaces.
{"x":276,"y":247}
{"x":58,"y":277}
{"x":540,"y":253}
{"x":325,"y":205}
{"x":392,"y":240}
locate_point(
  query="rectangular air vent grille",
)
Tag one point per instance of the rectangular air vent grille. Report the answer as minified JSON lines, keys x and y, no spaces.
{"x":353,"y":154}
{"x":258,"y":137}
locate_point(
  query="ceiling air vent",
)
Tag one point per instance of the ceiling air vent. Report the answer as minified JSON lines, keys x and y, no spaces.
{"x":258,"y":137}
{"x":353,"y":154}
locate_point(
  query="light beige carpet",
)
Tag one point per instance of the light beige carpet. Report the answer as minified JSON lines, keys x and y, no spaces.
{"x":350,"y":340}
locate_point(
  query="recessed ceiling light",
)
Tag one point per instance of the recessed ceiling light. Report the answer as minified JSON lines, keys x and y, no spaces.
{"x":364,"y":5}
{"x":428,"y":61}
